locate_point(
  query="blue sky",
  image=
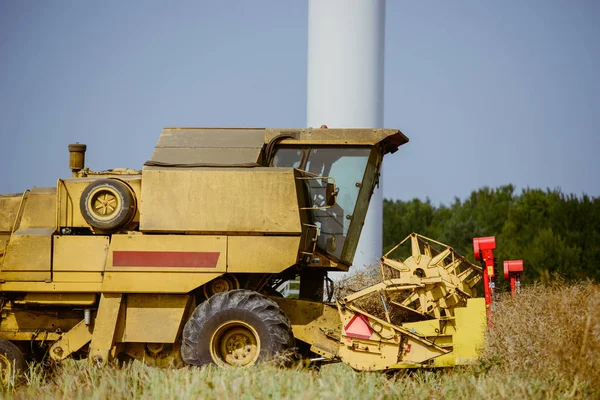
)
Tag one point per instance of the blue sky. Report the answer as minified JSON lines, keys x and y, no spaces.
{"x":489,"y":93}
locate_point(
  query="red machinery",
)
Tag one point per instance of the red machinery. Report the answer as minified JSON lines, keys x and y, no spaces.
{"x":512,"y":271}
{"x":483,"y":249}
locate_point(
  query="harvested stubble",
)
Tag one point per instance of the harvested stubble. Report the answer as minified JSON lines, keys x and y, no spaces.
{"x":544,"y":344}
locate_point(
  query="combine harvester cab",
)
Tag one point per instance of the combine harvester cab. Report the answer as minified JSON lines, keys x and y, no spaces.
{"x":146,"y":263}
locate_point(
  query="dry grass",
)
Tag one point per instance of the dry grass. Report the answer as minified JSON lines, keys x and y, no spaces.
{"x":545,"y":344}
{"x":550,"y":331}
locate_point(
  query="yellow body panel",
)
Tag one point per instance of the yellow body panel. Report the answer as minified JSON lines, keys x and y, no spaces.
{"x":80,"y":253}
{"x":388,"y":346}
{"x":9,"y":208}
{"x":32,"y":324}
{"x":466,"y":333}
{"x":152,"y":318}
{"x":155,"y":282}
{"x":39,"y":209}
{"x":58,"y":299}
{"x":4,"y":238}
{"x":28,"y":255}
{"x":28,"y":252}
{"x":25,"y":276}
{"x":312,"y":322}
{"x":345,"y":137}
{"x":147,"y":245}
{"x":229,"y":146}
{"x":78,"y":277}
{"x":212,"y":200}
{"x":270,"y":254}
{"x":62,"y":287}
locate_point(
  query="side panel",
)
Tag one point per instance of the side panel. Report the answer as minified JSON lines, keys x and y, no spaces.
{"x":155,"y":282}
{"x":252,"y":200}
{"x":163,"y":263}
{"x":152,"y":318}
{"x":467,"y":333}
{"x":79,"y":258}
{"x":172,"y":253}
{"x":9,"y":207}
{"x":270,"y":254}
{"x":24,"y":324}
{"x":28,"y":255}
{"x":39,"y":210}
{"x":317,"y":324}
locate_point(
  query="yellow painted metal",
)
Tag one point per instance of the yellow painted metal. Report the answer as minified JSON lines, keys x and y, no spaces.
{"x":30,"y":335}
{"x":180,"y":146}
{"x":336,"y":136}
{"x":387,"y":345}
{"x":72,"y":341}
{"x":105,"y":325}
{"x":58,"y":299}
{"x":315,"y":323}
{"x":80,"y":253}
{"x":214,"y":200}
{"x":215,"y":146}
{"x":78,"y":277}
{"x":152,"y":318}
{"x":30,"y":324}
{"x":362,"y":203}
{"x":28,"y":255}
{"x":168,"y":243}
{"x":4,"y":238}
{"x":155,"y":282}
{"x":466,"y":331}
{"x":323,"y":327}
{"x":9,"y":209}
{"x":66,"y":287}
{"x":69,"y":195}
{"x":25,"y":276}
{"x":434,"y":279}
{"x":266,"y":254}
{"x":39,"y":210}
{"x":235,"y":343}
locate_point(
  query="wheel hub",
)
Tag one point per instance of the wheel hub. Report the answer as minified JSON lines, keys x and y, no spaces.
{"x":105,"y":203}
{"x":236,"y":344}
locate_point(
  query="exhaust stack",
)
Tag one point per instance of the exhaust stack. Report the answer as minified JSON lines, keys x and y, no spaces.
{"x":77,"y":157}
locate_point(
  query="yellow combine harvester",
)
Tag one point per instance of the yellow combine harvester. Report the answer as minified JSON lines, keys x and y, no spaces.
{"x":178,"y":263}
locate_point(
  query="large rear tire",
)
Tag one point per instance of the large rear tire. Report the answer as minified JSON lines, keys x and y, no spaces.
{"x":12,"y":362}
{"x":236,"y":328}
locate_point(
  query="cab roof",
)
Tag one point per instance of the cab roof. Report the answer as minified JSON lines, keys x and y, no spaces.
{"x":243,"y":147}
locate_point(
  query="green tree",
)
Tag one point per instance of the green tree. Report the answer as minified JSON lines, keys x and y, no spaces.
{"x":555,"y":234}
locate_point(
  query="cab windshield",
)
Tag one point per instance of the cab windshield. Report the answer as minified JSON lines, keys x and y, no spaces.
{"x":346,"y":166}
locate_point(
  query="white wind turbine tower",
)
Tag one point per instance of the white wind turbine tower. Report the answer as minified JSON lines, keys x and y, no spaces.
{"x":346,"y":40}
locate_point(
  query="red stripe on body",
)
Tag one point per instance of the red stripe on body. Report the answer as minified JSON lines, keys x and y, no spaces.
{"x":168,"y":259}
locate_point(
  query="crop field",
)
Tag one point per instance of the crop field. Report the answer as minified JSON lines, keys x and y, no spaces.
{"x":544,"y":344}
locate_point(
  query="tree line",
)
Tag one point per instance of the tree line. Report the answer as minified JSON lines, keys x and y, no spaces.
{"x":556,"y":235}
